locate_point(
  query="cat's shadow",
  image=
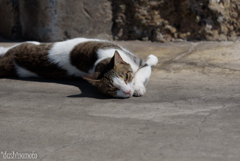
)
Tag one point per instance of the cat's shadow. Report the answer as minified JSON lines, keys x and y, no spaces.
{"x":86,"y":89}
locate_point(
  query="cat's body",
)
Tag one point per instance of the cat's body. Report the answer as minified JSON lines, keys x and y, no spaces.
{"x":92,"y":59}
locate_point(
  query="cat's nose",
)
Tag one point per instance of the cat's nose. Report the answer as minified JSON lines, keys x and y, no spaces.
{"x":129,"y":92}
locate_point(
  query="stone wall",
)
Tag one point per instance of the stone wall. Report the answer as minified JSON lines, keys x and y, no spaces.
{"x":174,"y":20}
{"x":54,"y":20}
{"x":10,"y":26}
{"x":155,"y":20}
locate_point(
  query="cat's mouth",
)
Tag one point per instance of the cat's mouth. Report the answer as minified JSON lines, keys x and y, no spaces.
{"x":125,"y":93}
{"x":128,"y":92}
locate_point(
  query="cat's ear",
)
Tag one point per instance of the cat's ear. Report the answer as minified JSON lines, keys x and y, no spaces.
{"x":92,"y":78}
{"x":117,"y":58}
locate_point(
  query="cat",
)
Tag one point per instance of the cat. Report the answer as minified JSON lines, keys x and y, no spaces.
{"x":114,"y":70}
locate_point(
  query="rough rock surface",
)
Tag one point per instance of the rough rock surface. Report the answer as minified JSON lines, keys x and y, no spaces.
{"x":10,"y":26}
{"x":173,"y":20}
{"x":58,"y":20}
{"x":155,"y":20}
{"x":52,"y":20}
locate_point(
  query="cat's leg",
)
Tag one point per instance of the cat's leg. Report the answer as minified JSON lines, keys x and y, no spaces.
{"x":141,"y":79}
{"x":143,"y":74}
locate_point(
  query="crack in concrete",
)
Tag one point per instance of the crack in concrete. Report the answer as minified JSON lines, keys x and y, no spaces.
{"x":203,"y":121}
{"x":190,"y":51}
{"x":198,"y":125}
{"x":174,"y":142}
{"x":208,"y":65}
{"x":180,"y":56}
{"x":192,"y":48}
{"x":212,"y":112}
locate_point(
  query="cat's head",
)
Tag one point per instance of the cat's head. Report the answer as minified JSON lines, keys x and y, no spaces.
{"x":116,"y":81}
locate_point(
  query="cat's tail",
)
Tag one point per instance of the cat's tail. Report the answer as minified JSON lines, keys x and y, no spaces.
{"x":152,"y":60}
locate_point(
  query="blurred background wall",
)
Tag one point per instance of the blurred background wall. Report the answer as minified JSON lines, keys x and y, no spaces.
{"x":155,"y":20}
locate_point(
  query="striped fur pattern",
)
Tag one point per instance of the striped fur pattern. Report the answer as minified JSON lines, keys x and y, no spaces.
{"x":112,"y":69}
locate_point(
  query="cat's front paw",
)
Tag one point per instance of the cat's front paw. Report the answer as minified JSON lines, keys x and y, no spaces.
{"x":140,"y":90}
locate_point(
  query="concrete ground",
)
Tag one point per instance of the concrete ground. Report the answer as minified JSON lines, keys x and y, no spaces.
{"x":191,"y":111}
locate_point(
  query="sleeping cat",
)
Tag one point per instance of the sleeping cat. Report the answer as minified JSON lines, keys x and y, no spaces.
{"x":111,"y":68}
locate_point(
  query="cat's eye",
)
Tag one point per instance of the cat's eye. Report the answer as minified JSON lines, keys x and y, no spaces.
{"x":113,"y":89}
{"x":126,"y":78}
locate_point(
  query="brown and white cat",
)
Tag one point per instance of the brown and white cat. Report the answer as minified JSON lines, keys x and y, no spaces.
{"x":111,"y":68}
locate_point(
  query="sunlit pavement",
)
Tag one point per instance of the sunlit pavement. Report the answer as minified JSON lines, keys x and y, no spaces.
{"x":191,"y":111}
